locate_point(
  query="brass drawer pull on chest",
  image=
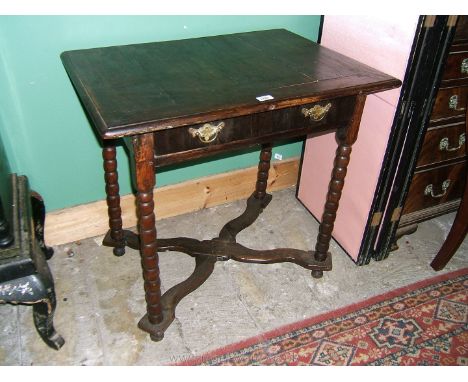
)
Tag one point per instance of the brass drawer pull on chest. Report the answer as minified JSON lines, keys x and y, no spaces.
{"x":430,"y":191}
{"x":464,"y":66}
{"x":207,"y":133}
{"x":317,"y":113}
{"x":453,"y":103}
{"x":444,"y":143}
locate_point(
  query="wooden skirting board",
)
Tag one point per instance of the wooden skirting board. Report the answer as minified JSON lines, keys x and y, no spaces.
{"x":88,"y":220}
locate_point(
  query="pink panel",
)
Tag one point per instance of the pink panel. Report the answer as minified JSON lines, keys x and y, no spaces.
{"x":385,"y":44}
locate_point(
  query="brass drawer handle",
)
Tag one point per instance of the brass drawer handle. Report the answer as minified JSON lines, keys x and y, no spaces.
{"x":430,"y":191}
{"x":453,"y":103}
{"x":444,"y":143}
{"x":207,"y":133}
{"x":317,"y":112}
{"x":464,"y":66}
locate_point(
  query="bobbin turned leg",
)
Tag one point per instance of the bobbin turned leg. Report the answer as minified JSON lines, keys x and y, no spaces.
{"x":115,"y":236}
{"x":262,"y":174}
{"x":345,"y":137}
{"x":143,"y":149}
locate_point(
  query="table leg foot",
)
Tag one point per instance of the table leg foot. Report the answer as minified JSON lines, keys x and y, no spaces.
{"x":317,"y":274}
{"x":157,"y":337}
{"x":156,"y":331}
{"x":119,"y":251}
{"x":130,"y":239}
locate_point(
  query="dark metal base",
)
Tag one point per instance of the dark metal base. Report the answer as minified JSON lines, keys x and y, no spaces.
{"x":43,"y":310}
{"x":25,"y":277}
{"x":43,"y":314}
{"x":35,"y":289}
{"x":208,"y":252}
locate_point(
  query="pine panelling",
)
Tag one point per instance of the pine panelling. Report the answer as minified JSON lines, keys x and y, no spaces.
{"x":88,"y":220}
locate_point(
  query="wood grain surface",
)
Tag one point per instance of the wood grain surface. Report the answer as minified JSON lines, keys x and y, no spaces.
{"x":134,"y":89}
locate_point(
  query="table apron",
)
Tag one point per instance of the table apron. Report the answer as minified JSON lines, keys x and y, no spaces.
{"x":196,"y":141}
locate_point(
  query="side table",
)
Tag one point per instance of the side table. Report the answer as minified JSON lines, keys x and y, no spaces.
{"x":179,"y":100}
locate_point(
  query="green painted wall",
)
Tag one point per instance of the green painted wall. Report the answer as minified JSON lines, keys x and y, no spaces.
{"x":46,"y":134}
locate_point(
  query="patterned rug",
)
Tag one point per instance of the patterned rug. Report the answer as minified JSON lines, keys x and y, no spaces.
{"x":421,"y":324}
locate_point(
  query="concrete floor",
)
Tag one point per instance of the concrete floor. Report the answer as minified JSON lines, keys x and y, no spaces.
{"x":100,"y":297}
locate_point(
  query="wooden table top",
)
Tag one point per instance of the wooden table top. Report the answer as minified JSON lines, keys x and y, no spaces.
{"x":133,"y":89}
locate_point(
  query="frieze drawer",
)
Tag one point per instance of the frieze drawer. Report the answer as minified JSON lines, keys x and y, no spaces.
{"x":173,"y":145}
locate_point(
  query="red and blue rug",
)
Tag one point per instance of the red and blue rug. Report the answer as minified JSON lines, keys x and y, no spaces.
{"x":422,"y":324}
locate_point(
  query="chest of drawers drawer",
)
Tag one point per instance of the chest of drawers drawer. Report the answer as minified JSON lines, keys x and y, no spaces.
{"x":443,"y":143}
{"x":436,"y":186}
{"x":456,"y":66}
{"x":461,"y":33}
{"x":176,"y":144}
{"x":449,"y":103}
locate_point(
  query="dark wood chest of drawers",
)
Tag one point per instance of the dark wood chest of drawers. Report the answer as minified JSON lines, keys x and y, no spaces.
{"x":439,"y":177}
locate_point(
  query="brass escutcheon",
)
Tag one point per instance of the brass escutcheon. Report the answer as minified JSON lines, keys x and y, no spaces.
{"x":317,"y":112}
{"x":207,"y":133}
